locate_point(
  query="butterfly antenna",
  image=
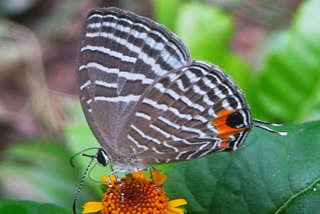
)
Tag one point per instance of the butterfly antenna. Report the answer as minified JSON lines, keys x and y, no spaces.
{"x":268,"y":129}
{"x":71,"y":161}
{"x":80,"y":186}
{"x":91,"y":178}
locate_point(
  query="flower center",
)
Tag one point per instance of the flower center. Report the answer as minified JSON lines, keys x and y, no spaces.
{"x":140,"y":196}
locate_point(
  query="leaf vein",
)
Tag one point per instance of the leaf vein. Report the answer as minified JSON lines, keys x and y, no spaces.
{"x":295,"y":195}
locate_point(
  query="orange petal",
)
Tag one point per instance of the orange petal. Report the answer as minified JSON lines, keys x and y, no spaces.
{"x":139,"y":174}
{"x":91,"y":207}
{"x":176,"y":203}
{"x":158,"y":177}
{"x":105,"y":179}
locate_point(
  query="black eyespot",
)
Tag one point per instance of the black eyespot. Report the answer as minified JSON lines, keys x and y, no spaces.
{"x":235,"y":120}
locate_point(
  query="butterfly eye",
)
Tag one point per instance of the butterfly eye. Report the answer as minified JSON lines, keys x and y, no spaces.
{"x":102,"y":157}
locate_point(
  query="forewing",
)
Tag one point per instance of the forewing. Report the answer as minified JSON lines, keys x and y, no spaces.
{"x":183,"y":116}
{"x":121,"y":55}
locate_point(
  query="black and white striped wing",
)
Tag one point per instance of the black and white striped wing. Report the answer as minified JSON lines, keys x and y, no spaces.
{"x":186,"y":114}
{"x":120,"y":57}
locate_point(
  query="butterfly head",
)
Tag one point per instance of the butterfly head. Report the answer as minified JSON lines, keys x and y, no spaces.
{"x":101,"y":157}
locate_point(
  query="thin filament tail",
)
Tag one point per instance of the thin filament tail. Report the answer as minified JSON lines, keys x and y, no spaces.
{"x":268,"y":129}
{"x":266,"y":122}
{"x":271,"y":130}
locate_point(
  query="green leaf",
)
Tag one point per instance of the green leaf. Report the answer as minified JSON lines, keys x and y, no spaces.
{"x":289,"y":85}
{"x":26,"y":207}
{"x":40,"y":170}
{"x":165,"y":11}
{"x":239,"y":71}
{"x":207,"y":31}
{"x":269,"y":174}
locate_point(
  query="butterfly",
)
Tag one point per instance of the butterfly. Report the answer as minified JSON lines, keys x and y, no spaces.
{"x":148,"y":102}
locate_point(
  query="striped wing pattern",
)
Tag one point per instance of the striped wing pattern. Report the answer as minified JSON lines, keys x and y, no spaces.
{"x":173,"y":121}
{"x":144,"y":98}
{"x":121,"y":55}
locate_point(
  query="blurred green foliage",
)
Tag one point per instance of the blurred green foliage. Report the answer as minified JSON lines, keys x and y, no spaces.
{"x":18,"y":207}
{"x":270,"y":173}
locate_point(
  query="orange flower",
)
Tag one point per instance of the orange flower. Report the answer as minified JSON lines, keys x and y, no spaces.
{"x":140,"y":196}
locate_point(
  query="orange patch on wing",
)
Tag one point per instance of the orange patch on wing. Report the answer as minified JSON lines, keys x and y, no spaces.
{"x":224,"y":144}
{"x":220,"y":123}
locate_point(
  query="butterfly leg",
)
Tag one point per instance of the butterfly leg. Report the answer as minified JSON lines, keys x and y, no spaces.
{"x":150,"y":169}
{"x":118,"y":180}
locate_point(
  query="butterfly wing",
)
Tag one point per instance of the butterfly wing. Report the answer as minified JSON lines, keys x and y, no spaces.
{"x":188,"y":113}
{"x":121,"y":55}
